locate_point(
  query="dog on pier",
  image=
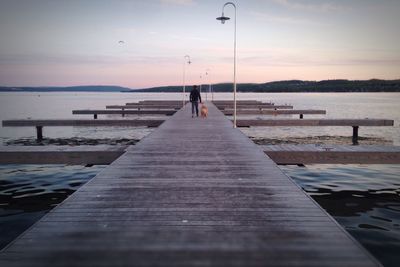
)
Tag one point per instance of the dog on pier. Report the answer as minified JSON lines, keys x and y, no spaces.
{"x":204,"y":111}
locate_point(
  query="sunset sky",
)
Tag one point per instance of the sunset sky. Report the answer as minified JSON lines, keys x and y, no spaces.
{"x":65,"y":43}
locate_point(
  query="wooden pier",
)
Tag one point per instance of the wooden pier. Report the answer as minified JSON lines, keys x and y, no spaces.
{"x":95,"y":112}
{"x":145,"y":107}
{"x":301,"y":112}
{"x":332,"y":154}
{"x":195,"y":192}
{"x":39,"y":124}
{"x":71,"y":155}
{"x":256,"y":106}
{"x":280,"y":154}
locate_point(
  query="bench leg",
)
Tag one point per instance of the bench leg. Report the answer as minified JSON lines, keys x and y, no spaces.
{"x":301,"y":116}
{"x":39,"y":133}
{"x":355,"y":135}
{"x":95,"y":116}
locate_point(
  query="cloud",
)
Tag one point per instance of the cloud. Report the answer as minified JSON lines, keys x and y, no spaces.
{"x":178,"y":2}
{"x":324,"y":6}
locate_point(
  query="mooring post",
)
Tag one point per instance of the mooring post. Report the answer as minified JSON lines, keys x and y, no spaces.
{"x":95,"y":116}
{"x":301,"y":116}
{"x":355,"y":135}
{"x":39,"y":133}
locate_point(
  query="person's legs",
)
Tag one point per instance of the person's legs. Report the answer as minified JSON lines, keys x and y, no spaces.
{"x":197,"y":108}
{"x":192,"y":109}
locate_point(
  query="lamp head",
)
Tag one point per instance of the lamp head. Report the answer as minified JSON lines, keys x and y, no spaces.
{"x":223,"y":18}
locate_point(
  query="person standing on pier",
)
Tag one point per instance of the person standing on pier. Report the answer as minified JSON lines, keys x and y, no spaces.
{"x":195,"y":97}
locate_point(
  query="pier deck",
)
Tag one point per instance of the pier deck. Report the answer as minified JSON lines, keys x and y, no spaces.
{"x":195,"y":192}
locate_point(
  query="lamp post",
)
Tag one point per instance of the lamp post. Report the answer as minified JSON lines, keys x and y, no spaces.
{"x":186,"y":60}
{"x":209,"y":87}
{"x":223,"y":19}
{"x":201,"y":81}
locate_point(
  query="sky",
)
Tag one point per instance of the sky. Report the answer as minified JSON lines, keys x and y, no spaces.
{"x":68,"y":43}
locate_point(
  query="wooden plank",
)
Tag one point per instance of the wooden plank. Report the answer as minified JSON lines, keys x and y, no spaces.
{"x":76,"y":155}
{"x":256,"y":106}
{"x":135,"y":112}
{"x":218,"y":102}
{"x":160,"y":101}
{"x":82,"y":123}
{"x":229,"y":112}
{"x":195,"y":192}
{"x":332,"y":154}
{"x":316,"y":122}
{"x":145,"y":107}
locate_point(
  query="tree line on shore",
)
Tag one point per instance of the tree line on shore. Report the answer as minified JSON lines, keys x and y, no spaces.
{"x":296,"y":86}
{"x":291,"y":86}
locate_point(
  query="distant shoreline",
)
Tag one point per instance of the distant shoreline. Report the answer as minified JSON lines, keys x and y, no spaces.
{"x":291,"y":86}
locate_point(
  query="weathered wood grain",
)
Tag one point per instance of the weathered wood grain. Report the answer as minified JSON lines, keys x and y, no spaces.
{"x":99,"y":154}
{"x":315,"y":122}
{"x":229,"y":112}
{"x":254,"y":106}
{"x":145,"y":107}
{"x":123,"y":112}
{"x":332,"y":154}
{"x":86,"y":123}
{"x":195,"y":192}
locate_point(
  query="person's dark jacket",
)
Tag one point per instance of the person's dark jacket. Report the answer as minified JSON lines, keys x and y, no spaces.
{"x":195,"y":95}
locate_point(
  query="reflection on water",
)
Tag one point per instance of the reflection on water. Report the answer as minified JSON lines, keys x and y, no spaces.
{"x":27,"y":192}
{"x":364,"y":199}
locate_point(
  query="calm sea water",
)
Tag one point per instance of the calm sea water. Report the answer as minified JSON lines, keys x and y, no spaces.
{"x":363,"y":198}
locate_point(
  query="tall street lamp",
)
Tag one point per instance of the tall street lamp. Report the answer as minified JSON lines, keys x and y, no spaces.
{"x":201,"y":81}
{"x":209,"y":87}
{"x":223,"y":19}
{"x":186,"y":60}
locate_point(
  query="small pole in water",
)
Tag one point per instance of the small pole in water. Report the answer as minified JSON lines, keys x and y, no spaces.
{"x":355,"y":135}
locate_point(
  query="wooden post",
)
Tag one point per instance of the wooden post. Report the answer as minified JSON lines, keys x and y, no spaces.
{"x":95,"y":116}
{"x":355,"y":135}
{"x":39,"y":133}
{"x":301,"y":116}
